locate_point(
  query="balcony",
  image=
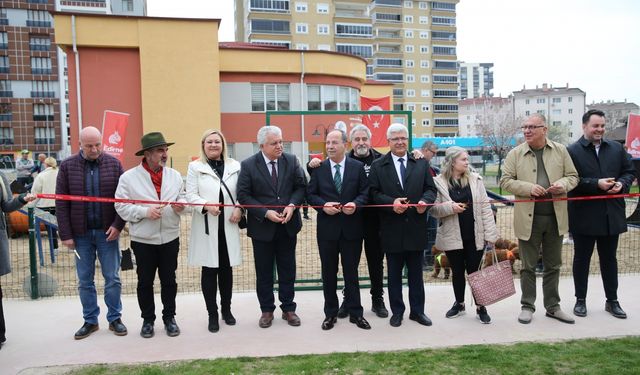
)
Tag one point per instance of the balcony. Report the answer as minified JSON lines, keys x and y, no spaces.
{"x":43,"y":94}
{"x":39,"y":47}
{"x":4,"y":69}
{"x":4,"y":21}
{"x":40,"y":70}
{"x":32,"y":23}
{"x":387,"y":18}
{"x":6,"y":141}
{"x":43,"y":117}
{"x":4,"y":46}
{"x":389,"y":77}
{"x":6,"y":94}
{"x":269,"y":6}
{"x":388,"y":3}
{"x":6,"y":117}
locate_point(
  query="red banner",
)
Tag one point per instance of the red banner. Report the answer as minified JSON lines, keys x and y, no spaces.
{"x":114,"y":129}
{"x":378,"y":124}
{"x":633,"y":136}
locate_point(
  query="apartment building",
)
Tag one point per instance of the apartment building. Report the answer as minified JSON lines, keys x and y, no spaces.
{"x":474,"y":111}
{"x":476,"y":80}
{"x":560,"y":105}
{"x":616,"y":113}
{"x":411,"y":44}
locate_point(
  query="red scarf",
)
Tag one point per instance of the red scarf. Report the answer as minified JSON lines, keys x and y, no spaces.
{"x":156,"y":177}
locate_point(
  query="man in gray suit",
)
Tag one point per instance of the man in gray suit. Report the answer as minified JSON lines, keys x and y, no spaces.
{"x":272,"y":184}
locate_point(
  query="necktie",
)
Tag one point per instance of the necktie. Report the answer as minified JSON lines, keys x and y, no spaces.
{"x":337,"y":179}
{"x":403,"y":170}
{"x":274,"y":174}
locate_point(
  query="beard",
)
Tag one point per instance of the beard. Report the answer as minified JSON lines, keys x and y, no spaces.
{"x":361,"y":151}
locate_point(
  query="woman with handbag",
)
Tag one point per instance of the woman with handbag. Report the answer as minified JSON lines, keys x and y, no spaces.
{"x":215,"y":235}
{"x":466,"y":223}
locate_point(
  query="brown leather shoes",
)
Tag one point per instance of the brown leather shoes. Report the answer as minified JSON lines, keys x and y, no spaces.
{"x":291,"y":318}
{"x":265,"y":320}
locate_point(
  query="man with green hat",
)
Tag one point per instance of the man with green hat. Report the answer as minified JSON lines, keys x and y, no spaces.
{"x":24,"y":166}
{"x":154,"y":228}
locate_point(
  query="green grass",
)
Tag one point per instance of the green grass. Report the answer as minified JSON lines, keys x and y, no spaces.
{"x":591,"y":356}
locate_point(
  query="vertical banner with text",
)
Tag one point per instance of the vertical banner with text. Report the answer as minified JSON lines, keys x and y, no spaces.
{"x":114,"y":129}
{"x":378,"y":124}
{"x":633,"y":136}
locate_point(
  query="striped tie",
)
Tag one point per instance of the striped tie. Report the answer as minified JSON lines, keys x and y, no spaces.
{"x":337,"y":180}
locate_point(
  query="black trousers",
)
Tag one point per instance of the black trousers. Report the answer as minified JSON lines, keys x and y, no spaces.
{"x":163,"y":259}
{"x":349,"y":253}
{"x":395,"y":263}
{"x":466,"y":259}
{"x":375,"y":258}
{"x":607,"y":246}
{"x":282,"y":251}
{"x":212,"y":278}
{"x":3,"y":328}
{"x":54,"y":232}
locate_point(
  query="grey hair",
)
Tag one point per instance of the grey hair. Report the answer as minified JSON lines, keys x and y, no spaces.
{"x":541,"y":117}
{"x":266,"y":130}
{"x":360,"y":128}
{"x":427,"y":145}
{"x":446,"y":168}
{"x":343,"y":135}
{"x":395,"y":128}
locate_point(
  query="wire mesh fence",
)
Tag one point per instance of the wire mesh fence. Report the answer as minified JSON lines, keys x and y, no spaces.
{"x":57,"y":275}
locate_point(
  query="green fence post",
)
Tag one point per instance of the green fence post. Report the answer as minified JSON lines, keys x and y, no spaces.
{"x":35,"y":293}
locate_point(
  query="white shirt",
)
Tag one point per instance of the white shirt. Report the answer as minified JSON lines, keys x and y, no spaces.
{"x":396,"y":164}
{"x":266,"y":160}
{"x":333,"y":168}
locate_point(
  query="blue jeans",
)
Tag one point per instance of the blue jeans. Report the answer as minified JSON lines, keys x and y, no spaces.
{"x":93,"y":243}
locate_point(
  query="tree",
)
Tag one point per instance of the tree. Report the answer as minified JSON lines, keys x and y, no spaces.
{"x":558,"y":132}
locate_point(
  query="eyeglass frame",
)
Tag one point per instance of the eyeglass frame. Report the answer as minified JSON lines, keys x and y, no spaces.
{"x":531,"y":127}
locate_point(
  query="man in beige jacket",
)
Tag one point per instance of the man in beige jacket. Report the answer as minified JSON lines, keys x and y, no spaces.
{"x":540,"y":169}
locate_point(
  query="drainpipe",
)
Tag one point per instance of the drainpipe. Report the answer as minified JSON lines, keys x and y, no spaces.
{"x":77,"y":59}
{"x":304,"y":153}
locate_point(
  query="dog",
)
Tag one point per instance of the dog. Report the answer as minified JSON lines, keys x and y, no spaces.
{"x":440,"y":262}
{"x":505,"y":250}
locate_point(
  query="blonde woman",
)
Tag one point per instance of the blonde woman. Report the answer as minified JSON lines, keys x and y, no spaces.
{"x":466,"y":223}
{"x":215,"y":236}
{"x":45,"y":183}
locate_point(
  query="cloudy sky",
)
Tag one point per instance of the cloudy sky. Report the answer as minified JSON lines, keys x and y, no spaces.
{"x":593,"y":45}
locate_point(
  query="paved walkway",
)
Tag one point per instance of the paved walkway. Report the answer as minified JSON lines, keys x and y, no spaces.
{"x":40,"y":333}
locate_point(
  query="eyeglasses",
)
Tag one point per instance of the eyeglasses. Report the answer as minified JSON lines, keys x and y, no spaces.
{"x":531,"y":127}
{"x":398,"y":139}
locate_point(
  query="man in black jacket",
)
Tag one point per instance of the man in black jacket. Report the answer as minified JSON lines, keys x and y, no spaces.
{"x":605,"y":168}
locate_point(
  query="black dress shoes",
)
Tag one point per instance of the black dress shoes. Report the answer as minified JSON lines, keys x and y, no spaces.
{"x":147,"y":329}
{"x":214,"y":326}
{"x":342,"y":311}
{"x":421,"y":318}
{"x":228,"y":318}
{"x":360,"y":321}
{"x":85,"y":331}
{"x":613,"y":307}
{"x":396,"y":320}
{"x":171,"y":327}
{"x":377,"y":306}
{"x":328,"y":323}
{"x":118,"y":328}
{"x":580,"y":309}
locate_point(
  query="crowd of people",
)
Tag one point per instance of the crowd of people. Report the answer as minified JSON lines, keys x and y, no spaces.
{"x":418,"y":205}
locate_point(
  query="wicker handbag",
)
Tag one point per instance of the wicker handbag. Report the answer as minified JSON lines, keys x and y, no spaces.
{"x":493,"y":283}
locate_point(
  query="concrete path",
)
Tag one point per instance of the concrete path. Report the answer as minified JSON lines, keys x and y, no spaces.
{"x":40,"y":333}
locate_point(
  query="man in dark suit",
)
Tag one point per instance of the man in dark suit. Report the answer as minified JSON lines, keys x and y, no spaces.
{"x":272,"y":184}
{"x":604,"y":168}
{"x":404,"y":183}
{"x":339,"y":186}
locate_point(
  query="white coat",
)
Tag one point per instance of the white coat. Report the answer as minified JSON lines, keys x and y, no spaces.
{"x":203,"y":186}
{"x":448,"y":236}
{"x":45,"y":183}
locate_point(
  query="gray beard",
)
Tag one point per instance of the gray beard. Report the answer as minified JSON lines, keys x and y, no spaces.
{"x":361,"y":151}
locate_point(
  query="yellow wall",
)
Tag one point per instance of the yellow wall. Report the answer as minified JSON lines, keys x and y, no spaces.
{"x":179,"y":65}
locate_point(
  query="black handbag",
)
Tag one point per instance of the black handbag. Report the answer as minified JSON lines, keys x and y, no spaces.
{"x":127,"y":261}
{"x":242,"y":224}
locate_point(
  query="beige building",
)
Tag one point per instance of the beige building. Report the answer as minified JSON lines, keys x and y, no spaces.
{"x":411,"y":44}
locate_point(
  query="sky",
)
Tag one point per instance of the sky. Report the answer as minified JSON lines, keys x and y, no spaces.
{"x":592,"y":45}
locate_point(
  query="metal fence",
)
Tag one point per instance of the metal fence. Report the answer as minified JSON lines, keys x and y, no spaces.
{"x":57,"y":276}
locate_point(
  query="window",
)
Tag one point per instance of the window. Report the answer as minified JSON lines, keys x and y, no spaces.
{"x":408,"y":48}
{"x":388,"y":17}
{"x":424,"y":78}
{"x":269,"y":97}
{"x":435,"y":5}
{"x":443,"y":35}
{"x":445,"y":108}
{"x":301,"y":7}
{"x":409,"y":63}
{"x":5,"y":89}
{"x":424,"y":20}
{"x":570,"y":123}
{"x":279,"y":6}
{"x":39,"y":43}
{"x":42,"y":89}
{"x":411,"y":93}
{"x":302,"y":28}
{"x":6,"y":138}
{"x":4,"y":64}
{"x":425,"y":93}
{"x":408,"y":33}
{"x":570,"y":99}
{"x":541,"y":111}
{"x":527,"y":113}
{"x":424,"y":63}
{"x":127,"y":5}
{"x":396,"y":63}
{"x":44,"y":136}
{"x":426,"y":122}
{"x":424,"y":49}
{"x":394,"y":77}
{"x":269,"y":26}
{"x":322,"y":8}
{"x":556,"y":111}
{"x":408,"y":4}
{"x":324,"y":47}
{"x":526,"y":101}
{"x":557,"y":123}
{"x":422,"y":5}
{"x":570,"y":111}
{"x":313,"y":98}
{"x":40,"y":65}
{"x":411,"y":107}
{"x":445,"y":93}
{"x":42,"y":112}
{"x":444,"y":64}
{"x":323,"y":29}
{"x":38,"y":18}
{"x":408,"y":19}
{"x":424,"y":35}
{"x":556,"y":100}
{"x":445,"y":78}
{"x":330,"y":98}
{"x":4,"y":41}
{"x":346,"y":29}
{"x":5,"y":112}
{"x":540,"y":100}
{"x":446,"y":122}
{"x":410,"y":78}
{"x":398,"y":93}
{"x":302,"y":46}
{"x":444,"y":50}
{"x":425,"y":108}
{"x":447,"y":21}
{"x":362,"y":50}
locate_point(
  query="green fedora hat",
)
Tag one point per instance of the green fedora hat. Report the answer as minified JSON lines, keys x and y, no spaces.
{"x":151,"y":140}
